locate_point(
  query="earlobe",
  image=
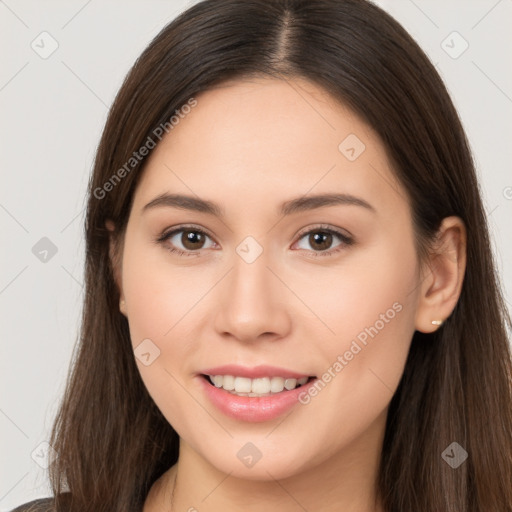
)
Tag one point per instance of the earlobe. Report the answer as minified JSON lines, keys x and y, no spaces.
{"x":443,"y":277}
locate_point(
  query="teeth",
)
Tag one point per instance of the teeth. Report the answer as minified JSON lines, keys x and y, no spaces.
{"x":290,"y":383}
{"x":276,"y":384}
{"x":262,"y":386}
{"x":228,"y":382}
{"x":242,"y":384}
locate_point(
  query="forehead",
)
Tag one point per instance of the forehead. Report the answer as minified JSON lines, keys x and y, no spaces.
{"x":263,"y":140}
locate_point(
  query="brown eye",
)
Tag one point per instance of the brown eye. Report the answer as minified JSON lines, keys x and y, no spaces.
{"x":320,"y":241}
{"x":192,"y":240}
{"x":185,"y":241}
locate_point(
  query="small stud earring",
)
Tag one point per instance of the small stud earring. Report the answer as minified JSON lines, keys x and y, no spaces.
{"x":437,"y":322}
{"x":122,"y":303}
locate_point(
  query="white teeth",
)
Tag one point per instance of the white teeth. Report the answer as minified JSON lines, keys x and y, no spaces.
{"x":276,"y":384}
{"x":262,"y":386}
{"x":290,"y":383}
{"x":242,"y":384}
{"x":228,"y":382}
{"x":217,"y":381}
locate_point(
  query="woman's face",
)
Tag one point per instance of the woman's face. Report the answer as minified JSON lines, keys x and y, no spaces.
{"x":273,"y":285}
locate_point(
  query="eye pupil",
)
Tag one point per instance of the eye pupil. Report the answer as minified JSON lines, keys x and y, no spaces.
{"x":320,"y":239}
{"x":189,"y":239}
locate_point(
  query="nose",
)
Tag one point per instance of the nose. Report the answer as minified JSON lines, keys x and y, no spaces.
{"x":253,"y":302}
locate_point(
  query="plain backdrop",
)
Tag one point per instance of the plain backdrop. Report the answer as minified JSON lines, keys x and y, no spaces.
{"x":54,"y":106}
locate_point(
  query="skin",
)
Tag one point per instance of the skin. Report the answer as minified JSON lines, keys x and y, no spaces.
{"x":249,"y":146}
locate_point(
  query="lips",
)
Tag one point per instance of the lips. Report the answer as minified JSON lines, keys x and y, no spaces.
{"x":255,"y":394}
{"x":254,"y":371}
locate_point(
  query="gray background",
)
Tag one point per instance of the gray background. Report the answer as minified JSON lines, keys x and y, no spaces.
{"x":53,"y":111}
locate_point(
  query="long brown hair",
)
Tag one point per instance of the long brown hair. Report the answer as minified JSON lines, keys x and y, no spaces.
{"x":112,"y":440}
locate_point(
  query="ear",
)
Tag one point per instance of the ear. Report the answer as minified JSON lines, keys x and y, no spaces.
{"x":115,"y":261}
{"x":443,"y":276}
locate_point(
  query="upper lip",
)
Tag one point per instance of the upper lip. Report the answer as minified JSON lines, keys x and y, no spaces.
{"x":254,"y":372}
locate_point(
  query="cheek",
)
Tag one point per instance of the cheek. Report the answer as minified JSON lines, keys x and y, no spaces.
{"x":164,"y":301}
{"x":158,"y":298}
{"x":375,"y":289}
{"x":370,"y":308}
{"x":158,"y":293}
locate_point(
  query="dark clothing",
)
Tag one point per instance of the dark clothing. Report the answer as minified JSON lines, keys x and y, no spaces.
{"x":40,"y":505}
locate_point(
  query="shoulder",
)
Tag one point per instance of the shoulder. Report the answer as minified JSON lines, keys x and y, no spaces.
{"x":39,"y":505}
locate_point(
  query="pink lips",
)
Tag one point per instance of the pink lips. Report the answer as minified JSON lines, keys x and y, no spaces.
{"x":252,"y":409}
{"x":254,"y":372}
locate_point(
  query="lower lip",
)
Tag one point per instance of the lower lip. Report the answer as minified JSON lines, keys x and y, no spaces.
{"x":253,"y":408}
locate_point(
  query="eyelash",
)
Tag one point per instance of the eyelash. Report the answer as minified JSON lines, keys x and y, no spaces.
{"x":346,"y":240}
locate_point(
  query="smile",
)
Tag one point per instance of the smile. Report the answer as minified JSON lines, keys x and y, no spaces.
{"x":253,"y":394}
{"x":263,"y":386}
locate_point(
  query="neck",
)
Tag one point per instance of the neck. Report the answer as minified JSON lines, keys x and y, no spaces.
{"x":346,"y":481}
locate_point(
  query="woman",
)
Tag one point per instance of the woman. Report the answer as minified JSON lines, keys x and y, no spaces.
{"x":291,"y":299}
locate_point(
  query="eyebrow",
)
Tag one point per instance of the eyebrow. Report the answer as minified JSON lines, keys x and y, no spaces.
{"x":300,"y":204}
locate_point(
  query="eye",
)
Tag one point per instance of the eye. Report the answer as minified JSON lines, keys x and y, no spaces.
{"x":190,"y":238}
{"x":321,"y":239}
